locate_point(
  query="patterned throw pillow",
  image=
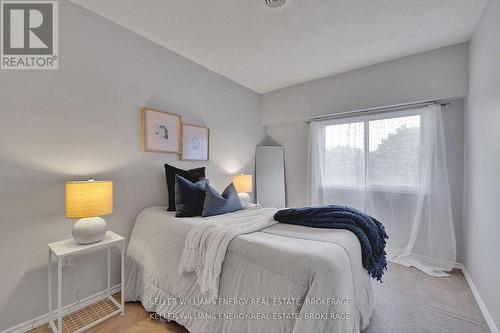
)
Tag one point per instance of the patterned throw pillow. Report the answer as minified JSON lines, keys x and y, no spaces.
{"x":217,"y":204}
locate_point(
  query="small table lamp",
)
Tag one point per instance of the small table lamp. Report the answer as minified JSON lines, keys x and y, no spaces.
{"x":244,"y":185}
{"x":87,"y":201}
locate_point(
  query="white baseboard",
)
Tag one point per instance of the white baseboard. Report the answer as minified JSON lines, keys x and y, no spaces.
{"x":43,"y":319}
{"x":484,"y":310}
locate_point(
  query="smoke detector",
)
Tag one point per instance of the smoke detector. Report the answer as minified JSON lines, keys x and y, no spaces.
{"x":275,"y":3}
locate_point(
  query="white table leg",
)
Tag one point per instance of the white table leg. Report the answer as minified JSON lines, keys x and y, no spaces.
{"x":50,"y":286}
{"x":59,"y":294}
{"x":123,"y":276}
{"x":109,"y":272}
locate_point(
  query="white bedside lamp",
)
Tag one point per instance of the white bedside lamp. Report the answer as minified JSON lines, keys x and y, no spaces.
{"x":244,"y":185}
{"x":87,"y":201}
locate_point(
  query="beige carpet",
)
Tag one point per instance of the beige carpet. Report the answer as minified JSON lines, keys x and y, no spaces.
{"x":411,"y":302}
{"x":407,"y":302}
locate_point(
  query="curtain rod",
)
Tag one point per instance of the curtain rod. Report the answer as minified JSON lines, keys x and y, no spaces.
{"x":398,"y":107}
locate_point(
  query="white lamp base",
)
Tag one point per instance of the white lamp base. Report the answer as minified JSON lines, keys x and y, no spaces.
{"x":244,"y":199}
{"x":89,"y":230}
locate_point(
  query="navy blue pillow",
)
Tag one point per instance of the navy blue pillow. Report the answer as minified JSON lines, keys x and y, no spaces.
{"x":189,"y":197}
{"x":217,"y":204}
{"x":192,"y":175}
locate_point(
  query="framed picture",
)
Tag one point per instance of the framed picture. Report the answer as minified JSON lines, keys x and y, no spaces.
{"x":161,"y":131}
{"x":195,"y":143}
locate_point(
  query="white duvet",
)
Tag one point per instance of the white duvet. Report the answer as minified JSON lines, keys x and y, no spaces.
{"x":283,"y":278}
{"x":206,"y":245}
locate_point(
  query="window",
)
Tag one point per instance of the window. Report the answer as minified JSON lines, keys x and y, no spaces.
{"x":390,"y":165}
{"x":345,"y":154}
{"x":381,"y":150}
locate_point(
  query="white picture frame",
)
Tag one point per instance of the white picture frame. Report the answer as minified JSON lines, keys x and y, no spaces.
{"x":195,"y":143}
{"x":161,"y":131}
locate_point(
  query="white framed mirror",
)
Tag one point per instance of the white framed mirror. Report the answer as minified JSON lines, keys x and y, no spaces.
{"x":270,"y":176}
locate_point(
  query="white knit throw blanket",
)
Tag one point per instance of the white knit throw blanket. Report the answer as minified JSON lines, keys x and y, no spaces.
{"x":206,"y":244}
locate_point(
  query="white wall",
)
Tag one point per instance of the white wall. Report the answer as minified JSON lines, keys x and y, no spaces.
{"x":435,"y":75}
{"x":431,"y":75}
{"x":482,"y":221}
{"x":84,"y":120}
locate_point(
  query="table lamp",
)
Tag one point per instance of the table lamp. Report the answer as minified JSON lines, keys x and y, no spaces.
{"x":88,"y":201}
{"x":243,"y":184}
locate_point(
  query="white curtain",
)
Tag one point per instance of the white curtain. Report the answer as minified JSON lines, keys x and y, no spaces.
{"x":392,"y":166}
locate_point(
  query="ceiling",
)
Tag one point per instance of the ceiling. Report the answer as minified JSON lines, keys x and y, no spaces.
{"x":266,"y":48}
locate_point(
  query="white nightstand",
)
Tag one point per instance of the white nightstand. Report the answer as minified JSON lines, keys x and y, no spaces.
{"x":70,"y":247}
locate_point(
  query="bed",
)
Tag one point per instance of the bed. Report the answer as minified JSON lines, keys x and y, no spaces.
{"x":284,"y":278}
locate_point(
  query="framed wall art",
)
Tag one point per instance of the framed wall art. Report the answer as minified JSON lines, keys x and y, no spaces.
{"x":161,"y":131}
{"x":195,"y":143}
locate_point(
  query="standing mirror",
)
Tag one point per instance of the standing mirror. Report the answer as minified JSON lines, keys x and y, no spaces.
{"x":270,"y":176}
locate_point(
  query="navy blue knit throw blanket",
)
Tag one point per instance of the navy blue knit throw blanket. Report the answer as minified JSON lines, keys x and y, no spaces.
{"x":370,"y":232}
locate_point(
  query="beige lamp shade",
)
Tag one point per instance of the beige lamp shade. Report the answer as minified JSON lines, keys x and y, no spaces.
{"x":88,"y":198}
{"x":243,"y":183}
